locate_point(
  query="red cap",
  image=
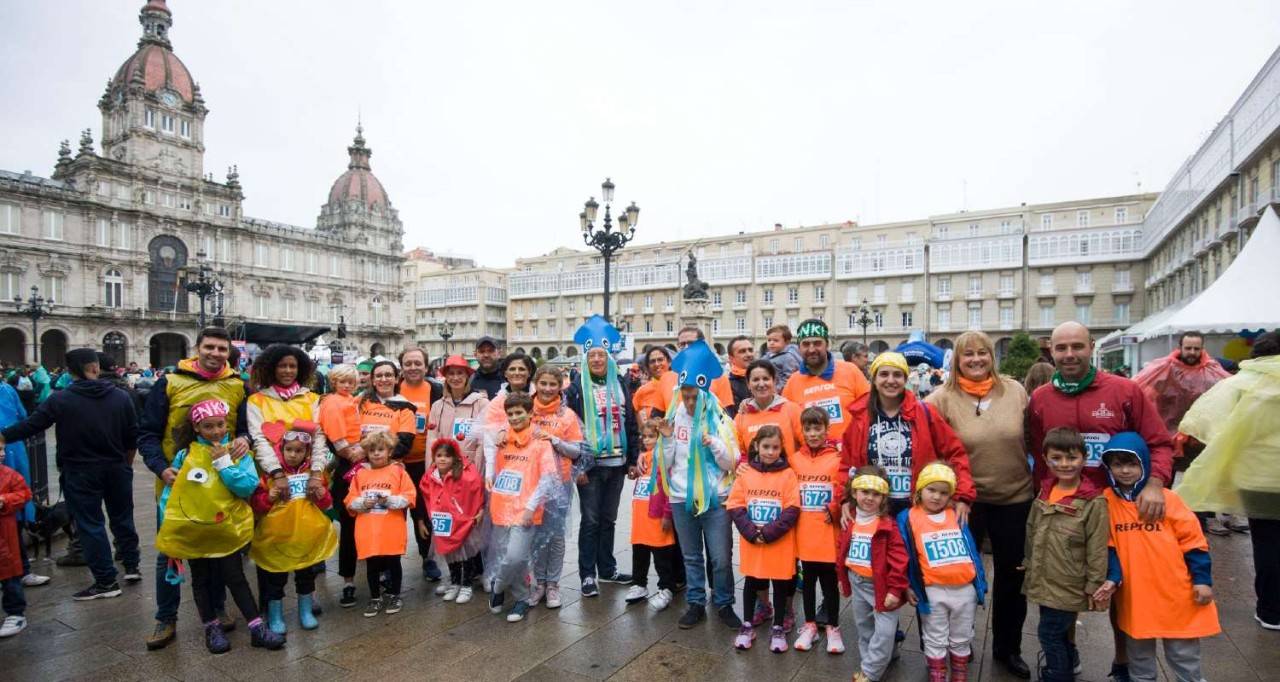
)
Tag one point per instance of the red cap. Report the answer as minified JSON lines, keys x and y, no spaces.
{"x":456,"y":361}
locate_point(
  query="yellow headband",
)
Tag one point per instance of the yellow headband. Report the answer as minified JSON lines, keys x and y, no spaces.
{"x":890,"y":359}
{"x":871,"y":482}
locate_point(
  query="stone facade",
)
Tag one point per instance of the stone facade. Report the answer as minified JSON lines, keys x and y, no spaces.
{"x":111,"y":236}
{"x":1022,"y":268}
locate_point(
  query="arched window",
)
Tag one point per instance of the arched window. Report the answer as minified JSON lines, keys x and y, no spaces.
{"x":113,"y":289}
{"x":115,"y":347}
{"x":168,"y":256}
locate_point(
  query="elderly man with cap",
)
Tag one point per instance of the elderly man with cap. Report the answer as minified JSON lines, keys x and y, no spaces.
{"x":693,"y":465}
{"x":822,"y":380}
{"x":97,"y":432}
{"x":488,"y":376}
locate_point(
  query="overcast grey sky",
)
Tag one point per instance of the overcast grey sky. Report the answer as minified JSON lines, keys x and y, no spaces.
{"x":491,"y":122}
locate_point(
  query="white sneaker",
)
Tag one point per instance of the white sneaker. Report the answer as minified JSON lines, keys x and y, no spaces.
{"x":12,"y":625}
{"x":661,"y":599}
{"x":808,"y":633}
{"x":554,"y":599}
{"x":451,"y":591}
{"x":636,"y":593}
{"x":34,"y":580}
{"x":443,"y":588}
{"x":464,"y":594}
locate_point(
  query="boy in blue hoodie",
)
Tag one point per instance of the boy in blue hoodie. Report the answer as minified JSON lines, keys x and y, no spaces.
{"x":1167,"y":589}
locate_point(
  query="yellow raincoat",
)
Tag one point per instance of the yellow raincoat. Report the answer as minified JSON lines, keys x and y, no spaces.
{"x":1238,"y":420}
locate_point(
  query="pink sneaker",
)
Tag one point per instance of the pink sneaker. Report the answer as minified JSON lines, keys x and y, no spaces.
{"x":535,"y":594}
{"x":835,"y":643}
{"x":763,"y":614}
{"x":777,"y":639}
{"x":746,"y":635}
{"x":808,"y":633}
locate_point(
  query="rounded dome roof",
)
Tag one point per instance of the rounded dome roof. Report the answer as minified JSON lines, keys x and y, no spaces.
{"x":359,"y":183}
{"x":157,"y":68}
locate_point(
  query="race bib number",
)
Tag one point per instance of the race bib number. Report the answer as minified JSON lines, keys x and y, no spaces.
{"x":643,"y":485}
{"x":899,"y":482}
{"x":366,"y":429}
{"x":763,"y":511}
{"x":462,"y":427}
{"x":1094,"y":444}
{"x":832,"y":405}
{"x":859,"y":550}
{"x":682,"y":434}
{"x":420,"y":423}
{"x":944,"y":547}
{"x":298,"y":486}
{"x":441,"y":524}
{"x":814,"y":497}
{"x":508,"y":482}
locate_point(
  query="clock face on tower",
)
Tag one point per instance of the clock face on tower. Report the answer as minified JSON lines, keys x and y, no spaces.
{"x":169,"y":99}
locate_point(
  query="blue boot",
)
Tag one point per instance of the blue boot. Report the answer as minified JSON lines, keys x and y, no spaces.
{"x":275,"y":616}
{"x":306,"y":618}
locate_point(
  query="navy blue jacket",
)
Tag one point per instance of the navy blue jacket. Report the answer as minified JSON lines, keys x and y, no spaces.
{"x":95,"y":423}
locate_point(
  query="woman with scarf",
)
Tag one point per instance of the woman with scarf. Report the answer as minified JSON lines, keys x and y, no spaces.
{"x":280,"y":377}
{"x":693,"y":467}
{"x":601,"y":401}
{"x":517,"y":369}
{"x":986,"y":411}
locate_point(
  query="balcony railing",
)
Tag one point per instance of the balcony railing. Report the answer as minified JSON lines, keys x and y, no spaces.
{"x":881,"y":262}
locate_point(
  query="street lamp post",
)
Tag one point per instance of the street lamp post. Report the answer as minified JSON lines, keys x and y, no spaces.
{"x":205,"y":285}
{"x":446,"y":332}
{"x":607,"y":240}
{"x":864,"y":319}
{"x":36,"y":307}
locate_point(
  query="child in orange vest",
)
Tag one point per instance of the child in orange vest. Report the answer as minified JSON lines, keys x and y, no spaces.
{"x":380,"y":496}
{"x":945,"y":569}
{"x":523,"y":478}
{"x":1167,"y":587}
{"x":339,"y":417}
{"x":652,"y":535}
{"x":872,"y":550}
{"x":822,"y":481}
{"x":764,"y":504}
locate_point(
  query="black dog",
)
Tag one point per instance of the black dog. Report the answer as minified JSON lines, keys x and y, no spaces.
{"x":49,"y":520}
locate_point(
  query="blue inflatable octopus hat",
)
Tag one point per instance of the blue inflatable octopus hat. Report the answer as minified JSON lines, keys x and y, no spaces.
{"x":596,"y":332}
{"x":697,"y":365}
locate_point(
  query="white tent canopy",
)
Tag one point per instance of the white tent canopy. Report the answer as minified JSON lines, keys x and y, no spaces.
{"x":1239,"y":299}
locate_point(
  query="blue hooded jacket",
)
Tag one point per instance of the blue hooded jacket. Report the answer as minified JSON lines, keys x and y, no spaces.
{"x":916,"y":577}
{"x":1131,"y":443}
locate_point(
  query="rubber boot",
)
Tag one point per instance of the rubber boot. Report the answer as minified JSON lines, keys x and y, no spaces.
{"x":937,"y":669}
{"x":306,"y":618}
{"x":959,"y":668}
{"x":275,"y":617}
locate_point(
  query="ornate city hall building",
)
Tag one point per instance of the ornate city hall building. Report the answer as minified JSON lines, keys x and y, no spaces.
{"x":117,"y":237}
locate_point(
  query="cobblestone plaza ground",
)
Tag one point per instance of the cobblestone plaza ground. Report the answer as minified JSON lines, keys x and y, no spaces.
{"x":587,"y":639}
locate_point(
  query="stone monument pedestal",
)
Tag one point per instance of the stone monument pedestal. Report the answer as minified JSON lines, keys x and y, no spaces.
{"x":696,"y":312}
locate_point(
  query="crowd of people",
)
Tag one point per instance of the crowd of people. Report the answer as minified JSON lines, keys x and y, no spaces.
{"x":840,"y":480}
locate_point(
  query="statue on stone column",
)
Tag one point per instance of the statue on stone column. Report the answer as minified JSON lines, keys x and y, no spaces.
{"x":695,"y":289}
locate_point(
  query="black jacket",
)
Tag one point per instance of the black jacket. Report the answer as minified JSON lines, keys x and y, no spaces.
{"x":573,"y":398}
{"x":95,"y":424}
{"x":489,"y":382}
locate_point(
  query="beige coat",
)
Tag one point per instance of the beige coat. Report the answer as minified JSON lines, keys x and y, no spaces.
{"x":993,"y":435}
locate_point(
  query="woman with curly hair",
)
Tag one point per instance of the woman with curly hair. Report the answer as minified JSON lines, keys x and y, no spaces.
{"x":280,"y":376}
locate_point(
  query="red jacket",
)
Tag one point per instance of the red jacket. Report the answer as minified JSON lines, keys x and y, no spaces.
{"x":260,"y":500}
{"x":931,"y":440}
{"x":888,"y":562}
{"x":14,"y":493}
{"x":1110,"y":405}
{"x":459,"y":499}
